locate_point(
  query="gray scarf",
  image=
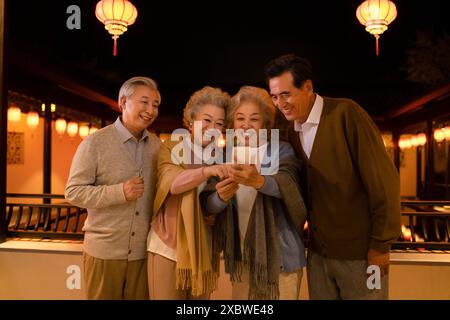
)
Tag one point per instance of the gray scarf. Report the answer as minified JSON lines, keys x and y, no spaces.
{"x":261,"y":244}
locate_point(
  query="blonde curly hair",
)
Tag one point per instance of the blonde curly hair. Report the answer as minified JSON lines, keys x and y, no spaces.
{"x":202,"y":97}
{"x":258,"y":96}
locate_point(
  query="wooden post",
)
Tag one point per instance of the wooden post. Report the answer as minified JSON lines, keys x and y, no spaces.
{"x":3,"y":123}
{"x":419,"y":191}
{"x":429,"y":160}
{"x":47,"y":149}
{"x":395,"y":139}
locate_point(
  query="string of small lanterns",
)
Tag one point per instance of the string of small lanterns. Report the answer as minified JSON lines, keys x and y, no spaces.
{"x":61,"y":126}
{"x":419,"y":140}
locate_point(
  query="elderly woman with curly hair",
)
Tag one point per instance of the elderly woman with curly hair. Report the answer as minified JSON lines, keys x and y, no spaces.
{"x":260,"y":210}
{"x":179,"y":242}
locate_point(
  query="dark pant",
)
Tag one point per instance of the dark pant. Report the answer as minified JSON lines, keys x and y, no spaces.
{"x":332,"y":279}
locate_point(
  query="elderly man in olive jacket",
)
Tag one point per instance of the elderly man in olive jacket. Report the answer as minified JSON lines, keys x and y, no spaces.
{"x":350,"y":185}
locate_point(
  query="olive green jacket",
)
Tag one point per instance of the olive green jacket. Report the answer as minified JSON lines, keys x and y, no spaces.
{"x":350,"y":184}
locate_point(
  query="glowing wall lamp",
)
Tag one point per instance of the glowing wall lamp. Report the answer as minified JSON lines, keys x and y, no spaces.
{"x":447,"y":133}
{"x":14,"y":114}
{"x":421,"y":139}
{"x":83,"y":131}
{"x":32,"y":120}
{"x":60,"y":126}
{"x":72,"y":129}
{"x":439,"y":135}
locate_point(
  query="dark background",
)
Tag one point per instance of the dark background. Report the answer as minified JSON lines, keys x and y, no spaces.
{"x":187,"y":45}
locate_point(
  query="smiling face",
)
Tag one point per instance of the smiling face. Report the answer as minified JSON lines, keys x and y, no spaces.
{"x":295,"y":103}
{"x":248,"y":116}
{"x":211,"y":117}
{"x":140,"y":109}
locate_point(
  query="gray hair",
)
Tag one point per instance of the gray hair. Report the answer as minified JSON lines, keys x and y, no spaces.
{"x":129,"y":86}
{"x":202,"y":97}
{"x":258,"y":96}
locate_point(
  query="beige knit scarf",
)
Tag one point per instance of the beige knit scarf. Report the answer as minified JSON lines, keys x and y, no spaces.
{"x":194,"y":269}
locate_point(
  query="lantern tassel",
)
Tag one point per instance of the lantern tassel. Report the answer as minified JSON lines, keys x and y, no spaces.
{"x":115,"y":46}
{"x":377,"y":46}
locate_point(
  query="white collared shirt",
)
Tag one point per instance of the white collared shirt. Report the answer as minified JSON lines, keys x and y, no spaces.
{"x":307,"y":130}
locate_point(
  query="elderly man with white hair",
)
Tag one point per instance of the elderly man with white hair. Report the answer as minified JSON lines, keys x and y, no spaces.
{"x":113,"y":176}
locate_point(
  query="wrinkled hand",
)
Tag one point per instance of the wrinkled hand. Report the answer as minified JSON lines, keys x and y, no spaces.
{"x":380,"y":259}
{"x":226,"y":189}
{"x":218,"y":170}
{"x":247,"y":175}
{"x":133,"y":188}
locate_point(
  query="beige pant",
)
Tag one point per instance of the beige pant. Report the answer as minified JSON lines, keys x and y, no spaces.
{"x":161,"y":280}
{"x":288,"y":283}
{"x":115,"y":279}
{"x":332,"y":279}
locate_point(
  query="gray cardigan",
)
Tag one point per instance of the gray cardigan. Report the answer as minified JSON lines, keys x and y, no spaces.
{"x":114,"y":228}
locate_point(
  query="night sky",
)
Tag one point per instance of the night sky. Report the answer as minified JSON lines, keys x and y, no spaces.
{"x":185,"y":46}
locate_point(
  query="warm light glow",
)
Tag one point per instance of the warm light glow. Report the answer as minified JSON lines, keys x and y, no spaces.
{"x":52,"y":107}
{"x":32,"y":120}
{"x":116,"y":15}
{"x":404,"y":143}
{"x":14,"y":114}
{"x":421,"y":139}
{"x":221,"y":143}
{"x":84,"y":131}
{"x":414,"y":142}
{"x":164,"y":136}
{"x":43,"y":107}
{"x":408,"y":143}
{"x":406,"y":232}
{"x":60,"y":126}
{"x":439,"y":135}
{"x":72,"y":129}
{"x":376,"y":15}
{"x":387,"y":140}
{"x":447,"y":133}
{"x":92,"y":130}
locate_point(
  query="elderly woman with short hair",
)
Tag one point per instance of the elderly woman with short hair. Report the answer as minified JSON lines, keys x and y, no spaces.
{"x":179,"y":243}
{"x":261,"y":211}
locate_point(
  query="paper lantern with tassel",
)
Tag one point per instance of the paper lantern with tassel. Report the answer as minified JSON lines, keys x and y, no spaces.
{"x":116,"y":15}
{"x":376,"y":15}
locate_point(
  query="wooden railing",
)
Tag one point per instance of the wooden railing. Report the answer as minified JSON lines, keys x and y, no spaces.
{"x":43,"y":220}
{"x":429,"y":228}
